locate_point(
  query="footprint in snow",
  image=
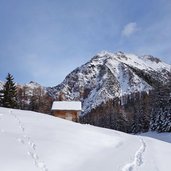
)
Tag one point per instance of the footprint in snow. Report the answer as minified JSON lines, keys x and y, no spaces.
{"x":32,"y":145}
{"x":41,"y":165}
{"x":26,"y":140}
{"x":138,"y":158}
{"x":37,"y":163}
{"x":33,"y":155}
{"x":22,"y":128}
{"x":21,"y":141}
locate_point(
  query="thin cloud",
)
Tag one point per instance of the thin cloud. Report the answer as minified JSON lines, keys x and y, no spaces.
{"x":130,"y":29}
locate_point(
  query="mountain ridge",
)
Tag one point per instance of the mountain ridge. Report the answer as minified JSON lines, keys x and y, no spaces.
{"x":109,"y":75}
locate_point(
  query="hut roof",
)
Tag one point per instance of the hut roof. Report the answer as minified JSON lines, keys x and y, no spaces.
{"x":66,"y":105}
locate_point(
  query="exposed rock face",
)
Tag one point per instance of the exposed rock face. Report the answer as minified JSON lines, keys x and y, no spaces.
{"x":108,"y":76}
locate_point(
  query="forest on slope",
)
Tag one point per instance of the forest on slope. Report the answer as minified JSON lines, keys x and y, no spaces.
{"x":136,"y":112}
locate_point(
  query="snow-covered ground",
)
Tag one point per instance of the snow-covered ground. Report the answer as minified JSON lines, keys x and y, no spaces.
{"x":32,"y":141}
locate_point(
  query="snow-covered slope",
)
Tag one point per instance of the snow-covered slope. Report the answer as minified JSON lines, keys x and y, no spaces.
{"x":32,"y":141}
{"x":109,"y":75}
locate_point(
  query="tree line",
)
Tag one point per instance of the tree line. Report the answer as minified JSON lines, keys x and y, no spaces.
{"x":132,"y":113}
{"x":12,"y":96}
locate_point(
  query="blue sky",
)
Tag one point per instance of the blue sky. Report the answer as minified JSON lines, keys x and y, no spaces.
{"x":44,"y":40}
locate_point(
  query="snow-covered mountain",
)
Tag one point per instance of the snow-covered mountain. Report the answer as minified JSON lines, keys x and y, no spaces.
{"x":110,"y":75}
{"x":33,"y":96}
{"x":32,"y":85}
{"x":33,"y":141}
{"x":31,"y":88}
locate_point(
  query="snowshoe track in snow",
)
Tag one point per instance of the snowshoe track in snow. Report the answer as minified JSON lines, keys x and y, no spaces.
{"x":138,"y":159}
{"x":31,"y":146}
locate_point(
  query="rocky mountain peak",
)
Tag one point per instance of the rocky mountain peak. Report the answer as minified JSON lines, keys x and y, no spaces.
{"x":151,"y":58}
{"x":33,"y":83}
{"x":109,"y":75}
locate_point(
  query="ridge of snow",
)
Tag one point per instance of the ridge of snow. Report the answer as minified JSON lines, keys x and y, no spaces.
{"x":141,"y":62}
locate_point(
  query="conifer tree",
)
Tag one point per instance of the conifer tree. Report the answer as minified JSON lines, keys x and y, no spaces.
{"x":1,"y":97}
{"x":161,"y":110}
{"x":9,"y":93}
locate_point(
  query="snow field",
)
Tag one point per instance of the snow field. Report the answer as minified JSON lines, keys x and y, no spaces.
{"x":32,"y":141}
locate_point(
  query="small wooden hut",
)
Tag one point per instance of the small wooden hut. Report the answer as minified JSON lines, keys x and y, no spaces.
{"x":67,"y":110}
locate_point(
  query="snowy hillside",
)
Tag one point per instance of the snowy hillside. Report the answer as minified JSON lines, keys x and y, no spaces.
{"x":109,"y":75}
{"x":32,"y":141}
